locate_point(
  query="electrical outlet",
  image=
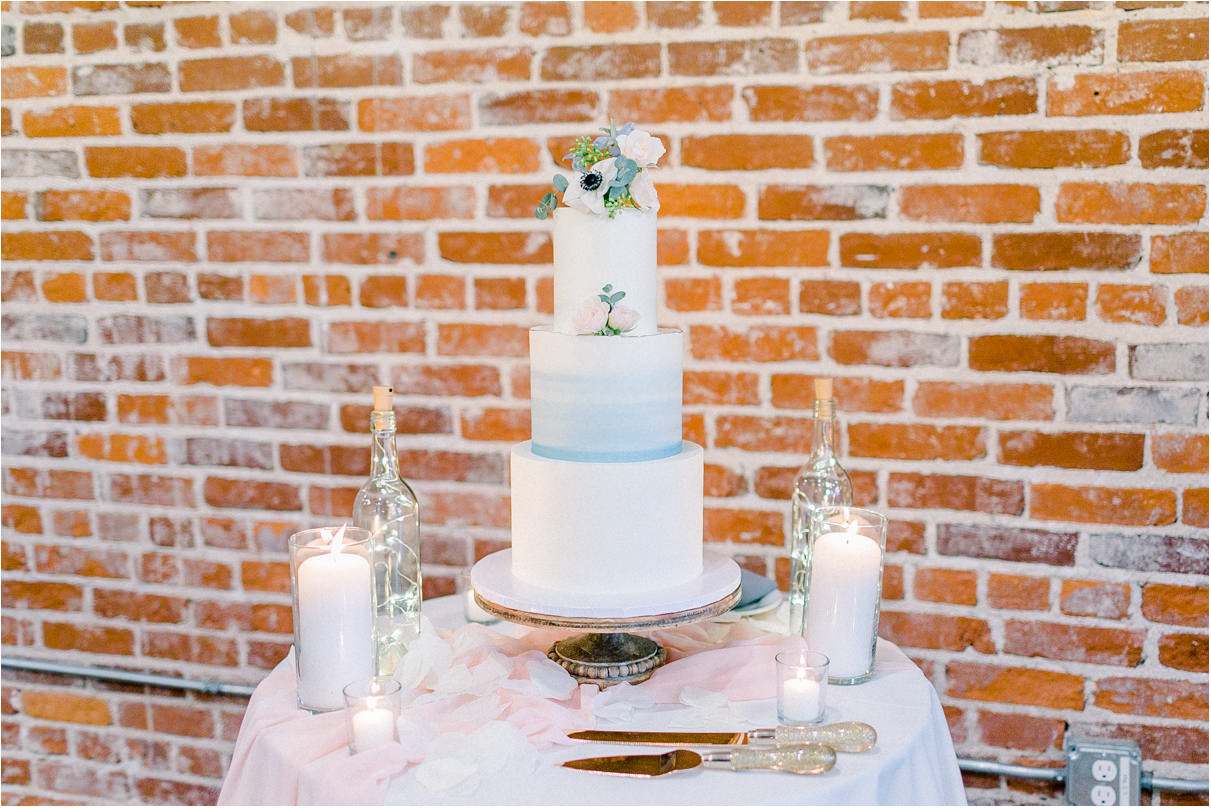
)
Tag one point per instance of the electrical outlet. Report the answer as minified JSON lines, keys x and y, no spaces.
{"x":1103,"y":772}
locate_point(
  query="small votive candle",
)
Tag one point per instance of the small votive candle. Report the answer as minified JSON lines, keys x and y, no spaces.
{"x":372,"y":708}
{"x":802,"y":685}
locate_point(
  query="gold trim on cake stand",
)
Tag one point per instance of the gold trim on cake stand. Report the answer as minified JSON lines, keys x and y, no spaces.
{"x":607,"y":653}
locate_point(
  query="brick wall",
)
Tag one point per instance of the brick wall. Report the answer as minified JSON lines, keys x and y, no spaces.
{"x":224,"y":222}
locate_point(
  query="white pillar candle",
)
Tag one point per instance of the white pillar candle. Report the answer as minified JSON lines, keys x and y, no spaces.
{"x":842,"y":595}
{"x":372,"y":727}
{"x":800,"y":700}
{"x":335,"y":632}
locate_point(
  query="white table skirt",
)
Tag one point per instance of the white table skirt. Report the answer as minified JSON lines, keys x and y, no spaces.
{"x":913,"y":764}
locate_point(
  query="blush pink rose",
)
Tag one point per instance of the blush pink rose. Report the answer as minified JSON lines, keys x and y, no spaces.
{"x":591,"y":317}
{"x":641,"y":147}
{"x":623,"y":318}
{"x":643,"y":191}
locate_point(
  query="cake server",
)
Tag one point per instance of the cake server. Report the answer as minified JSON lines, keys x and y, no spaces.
{"x":803,"y":759}
{"x":845,"y":736}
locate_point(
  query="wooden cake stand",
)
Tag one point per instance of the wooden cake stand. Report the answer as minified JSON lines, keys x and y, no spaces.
{"x":606,"y":654}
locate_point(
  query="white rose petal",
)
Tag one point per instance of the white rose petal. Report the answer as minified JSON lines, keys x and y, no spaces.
{"x":641,"y":147}
{"x":643,"y":191}
{"x":623,"y":318}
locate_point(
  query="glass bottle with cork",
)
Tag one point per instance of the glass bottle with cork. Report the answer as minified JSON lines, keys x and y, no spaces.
{"x":387,"y":507}
{"x":821,"y":482}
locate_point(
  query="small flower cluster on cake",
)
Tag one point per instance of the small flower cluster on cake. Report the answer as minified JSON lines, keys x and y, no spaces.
{"x":602,"y":316}
{"x":614,"y":173}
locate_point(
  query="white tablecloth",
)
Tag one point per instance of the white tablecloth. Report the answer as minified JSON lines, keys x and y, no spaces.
{"x":914,"y":762}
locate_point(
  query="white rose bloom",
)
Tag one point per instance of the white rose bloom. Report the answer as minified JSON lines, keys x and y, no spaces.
{"x":641,"y":147}
{"x":591,"y":317}
{"x":643,"y":191}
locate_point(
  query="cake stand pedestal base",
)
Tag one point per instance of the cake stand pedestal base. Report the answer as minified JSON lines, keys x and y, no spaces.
{"x":608,"y":659}
{"x":606,"y":655}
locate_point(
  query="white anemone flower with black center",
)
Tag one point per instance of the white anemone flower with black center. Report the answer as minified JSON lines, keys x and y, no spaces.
{"x":587,"y":193}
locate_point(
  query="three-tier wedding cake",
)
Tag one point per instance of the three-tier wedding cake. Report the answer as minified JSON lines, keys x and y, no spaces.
{"x":606,"y":496}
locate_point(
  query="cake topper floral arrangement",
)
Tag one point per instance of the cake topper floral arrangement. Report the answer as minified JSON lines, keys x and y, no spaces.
{"x":614,"y":173}
{"x":603,"y":317}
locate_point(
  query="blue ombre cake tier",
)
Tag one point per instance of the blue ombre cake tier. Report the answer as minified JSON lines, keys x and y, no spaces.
{"x":609,"y":399}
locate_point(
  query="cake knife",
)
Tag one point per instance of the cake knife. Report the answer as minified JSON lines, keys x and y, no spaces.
{"x":845,"y":736}
{"x":803,"y":759}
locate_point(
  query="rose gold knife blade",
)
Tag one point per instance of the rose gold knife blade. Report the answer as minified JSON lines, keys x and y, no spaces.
{"x":661,"y":738}
{"x":639,"y":765}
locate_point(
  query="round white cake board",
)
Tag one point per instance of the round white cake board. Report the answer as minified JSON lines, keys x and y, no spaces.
{"x":493,"y":581}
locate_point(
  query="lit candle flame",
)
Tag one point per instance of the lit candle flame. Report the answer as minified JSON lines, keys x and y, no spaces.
{"x":334,"y":542}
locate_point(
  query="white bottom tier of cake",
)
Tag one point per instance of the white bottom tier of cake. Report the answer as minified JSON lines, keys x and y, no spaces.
{"x":606,"y":528}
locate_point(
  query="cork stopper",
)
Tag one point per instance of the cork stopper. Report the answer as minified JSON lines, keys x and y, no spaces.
{"x":824,"y":388}
{"x":382,"y":399}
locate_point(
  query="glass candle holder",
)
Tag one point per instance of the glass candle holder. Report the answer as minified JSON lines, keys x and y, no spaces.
{"x":802,"y":687}
{"x":844,"y":570}
{"x":332,"y":583}
{"x":372,"y":708}
{"x":472,"y":611}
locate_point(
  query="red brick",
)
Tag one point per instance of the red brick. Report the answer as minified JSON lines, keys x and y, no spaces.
{"x":372,"y":248}
{"x":693,"y":294}
{"x":448,"y":380}
{"x":1130,"y":203}
{"x":1021,"y":592}
{"x":198,"y":116}
{"x":936,"y":631}
{"x":1012,"y":731}
{"x":327,"y":290}
{"x":1041,"y":354}
{"x":761,"y":296}
{"x":296,"y":115}
{"x":144,"y":36}
{"x":814,"y":202}
{"x":89,"y":639}
{"x":253,"y":27}
{"x":138,"y":606}
{"x":122,"y":448}
{"x":893,"y":348}
{"x":1053,"y":301}
{"x":1175,"y":605}
{"x":846,"y":102}
{"x":148,"y":246}
{"x":1066,"y":250}
{"x":226,"y":493}
{"x":359,"y":160}
{"x":1174,"y":148}
{"x":229,"y":370}
{"x":951,"y":9}
{"x":1076,"y":643}
{"x":52,"y":596}
{"x":1049,"y":45}
{"x":230,"y":73}
{"x":753,"y":433}
{"x":441,"y":292}
{"x":1180,"y":453}
{"x":962,"y":493}
{"x":1126,"y":93}
{"x":953,"y":98}
{"x":1093,"y":148}
{"x":880,"y":53}
{"x":328,"y":204}
{"x":916,"y":441}
{"x":495,"y":248}
{"x":733,"y":57}
{"x":492,"y":156}
{"x":677,"y":104}
{"x":595,"y":62}
{"x":197,"y":32}
{"x":429,"y":113}
{"x":42,"y":37}
{"x":1093,"y":450}
{"x":538,"y":106}
{"x":72,"y":122}
{"x":742,"y":526}
{"x":741,"y":13}
{"x":33,"y":82}
{"x":144,"y":162}
{"x":481,"y":66}
{"x":240,"y":160}
{"x":835,"y":298}
{"x":1187,"y":652}
{"x":1114,"y":506}
{"x":893,"y":152}
{"x":1095,"y":599}
{"x":747,"y":152}
{"x":763,"y":248}
{"x":471,"y":339}
{"x":1162,"y":40}
{"x":756,"y":344}
{"x":53,"y":705}
{"x":257,"y":245}
{"x":14,"y":204}
{"x":945,"y":586}
{"x":975,"y":301}
{"x":1179,"y":253}
{"x":911,"y":250}
{"x":87,"y":206}
{"x":1154,"y":697}
{"x":983,"y":204}
{"x":1121,"y":303}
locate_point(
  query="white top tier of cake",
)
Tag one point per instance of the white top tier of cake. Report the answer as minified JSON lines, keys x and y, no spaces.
{"x":592,"y":251}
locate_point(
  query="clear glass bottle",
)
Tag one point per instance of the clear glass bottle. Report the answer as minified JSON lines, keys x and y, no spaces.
{"x":820,"y":483}
{"x":387,"y":507}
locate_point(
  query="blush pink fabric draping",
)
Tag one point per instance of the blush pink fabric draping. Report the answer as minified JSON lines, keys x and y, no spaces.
{"x":284,"y":755}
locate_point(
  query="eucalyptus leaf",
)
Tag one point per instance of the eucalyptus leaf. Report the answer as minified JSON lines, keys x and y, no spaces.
{"x":541,"y":212}
{"x":560,"y":182}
